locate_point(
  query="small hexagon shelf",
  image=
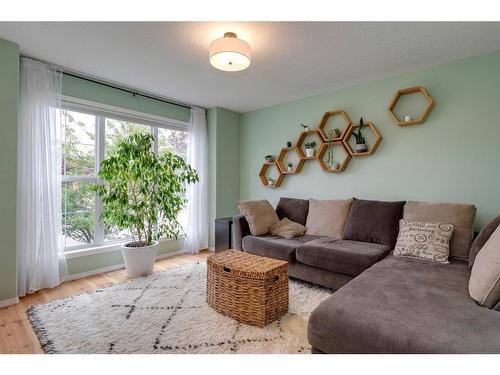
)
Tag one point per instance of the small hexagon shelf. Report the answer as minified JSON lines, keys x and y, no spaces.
{"x":289,"y":155}
{"x":371,"y":149}
{"x":409,"y":91}
{"x":265,"y":171}
{"x":308,"y":135}
{"x":342,"y":161}
{"x":328,"y":117}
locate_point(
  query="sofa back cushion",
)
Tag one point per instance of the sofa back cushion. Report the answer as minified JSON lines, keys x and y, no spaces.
{"x":260,"y":216}
{"x":294,"y":209}
{"x":374,"y":221}
{"x":460,"y":215}
{"x":327,"y":217}
{"x":481,"y":239}
{"x":484,"y":282}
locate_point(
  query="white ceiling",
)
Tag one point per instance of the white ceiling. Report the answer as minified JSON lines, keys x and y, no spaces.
{"x":290,"y":59}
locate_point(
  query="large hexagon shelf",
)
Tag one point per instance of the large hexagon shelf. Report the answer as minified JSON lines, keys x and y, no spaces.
{"x":289,"y":155}
{"x":330,"y":117}
{"x":340,"y":155}
{"x":311,"y":135}
{"x":419,"y":90}
{"x":377,"y":138}
{"x":265,"y":172}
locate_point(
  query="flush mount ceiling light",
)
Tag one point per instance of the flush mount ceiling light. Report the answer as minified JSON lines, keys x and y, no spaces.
{"x":229,"y":53}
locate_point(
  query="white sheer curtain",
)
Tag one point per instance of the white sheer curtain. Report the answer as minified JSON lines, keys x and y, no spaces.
{"x":41,"y":261}
{"x":197,"y":194}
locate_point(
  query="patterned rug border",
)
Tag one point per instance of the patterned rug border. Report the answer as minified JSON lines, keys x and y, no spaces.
{"x":36,"y":323}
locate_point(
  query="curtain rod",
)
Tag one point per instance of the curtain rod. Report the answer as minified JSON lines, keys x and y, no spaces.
{"x":134,"y":93}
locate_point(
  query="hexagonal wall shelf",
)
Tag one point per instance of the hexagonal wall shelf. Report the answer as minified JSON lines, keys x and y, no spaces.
{"x":329,"y":116}
{"x":408,"y":91}
{"x":289,"y":154}
{"x":342,"y":160}
{"x":302,"y":138}
{"x":265,"y":171}
{"x":373,"y":146}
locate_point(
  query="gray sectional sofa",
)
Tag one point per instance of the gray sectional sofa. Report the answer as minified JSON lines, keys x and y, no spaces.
{"x":383,"y":303}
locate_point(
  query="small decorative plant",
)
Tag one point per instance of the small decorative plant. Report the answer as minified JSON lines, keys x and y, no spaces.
{"x":270,"y":181}
{"x":269,"y":158}
{"x":142,"y":191}
{"x":290,"y":166}
{"x":333,"y":133}
{"x":360,"y":138}
{"x":309,"y":145}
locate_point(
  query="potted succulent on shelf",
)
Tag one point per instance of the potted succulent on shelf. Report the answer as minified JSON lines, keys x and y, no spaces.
{"x":360,"y":139}
{"x":143,"y":192}
{"x":309,"y":146}
{"x":330,"y":160}
{"x":290,"y":166}
{"x":270,"y":181}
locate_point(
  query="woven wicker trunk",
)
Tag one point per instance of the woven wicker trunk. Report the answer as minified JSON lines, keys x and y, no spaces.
{"x":247,"y":287}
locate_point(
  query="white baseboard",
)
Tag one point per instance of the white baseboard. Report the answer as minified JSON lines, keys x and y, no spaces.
{"x":9,"y":302}
{"x":117,"y":266}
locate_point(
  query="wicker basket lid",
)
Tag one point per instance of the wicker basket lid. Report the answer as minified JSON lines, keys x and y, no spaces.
{"x":247,"y":265}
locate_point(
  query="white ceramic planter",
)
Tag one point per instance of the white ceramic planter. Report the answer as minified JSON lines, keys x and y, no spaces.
{"x":139,"y":261}
{"x":310,"y":152}
{"x":361,"y":147}
{"x":335,"y":166}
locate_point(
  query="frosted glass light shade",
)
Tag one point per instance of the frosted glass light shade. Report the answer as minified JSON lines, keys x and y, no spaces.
{"x":229,"y":53}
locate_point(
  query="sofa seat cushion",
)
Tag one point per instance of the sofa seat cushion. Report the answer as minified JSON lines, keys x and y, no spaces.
{"x":343,"y":256}
{"x":274,"y":246}
{"x":404,"y":305}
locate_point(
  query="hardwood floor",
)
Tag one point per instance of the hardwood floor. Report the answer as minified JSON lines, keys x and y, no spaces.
{"x":16,"y":334}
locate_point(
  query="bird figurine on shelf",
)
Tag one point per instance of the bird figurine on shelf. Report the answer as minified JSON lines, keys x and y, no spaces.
{"x":306,"y":127}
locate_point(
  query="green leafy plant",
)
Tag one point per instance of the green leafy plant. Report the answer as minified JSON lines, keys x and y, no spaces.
{"x":310,"y":145}
{"x":360,"y":139}
{"x":142,"y":191}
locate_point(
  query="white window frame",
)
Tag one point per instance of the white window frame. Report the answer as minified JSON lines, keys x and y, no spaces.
{"x":101,"y":112}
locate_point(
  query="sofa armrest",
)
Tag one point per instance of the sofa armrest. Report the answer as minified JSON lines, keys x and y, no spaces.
{"x":241,"y":229}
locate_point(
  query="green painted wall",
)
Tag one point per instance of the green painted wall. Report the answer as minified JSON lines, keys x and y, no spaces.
{"x":9,"y":98}
{"x":224,"y":163}
{"x":454,"y":156}
{"x":101,"y":94}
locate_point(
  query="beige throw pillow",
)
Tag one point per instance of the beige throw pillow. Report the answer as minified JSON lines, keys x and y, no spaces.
{"x":484,"y":282}
{"x":260,"y":216}
{"x":287,"y":229}
{"x":428,"y":241}
{"x":327,"y":217}
{"x":460,"y":215}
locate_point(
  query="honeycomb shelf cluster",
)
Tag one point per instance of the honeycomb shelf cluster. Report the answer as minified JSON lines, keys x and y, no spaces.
{"x":331,"y":144}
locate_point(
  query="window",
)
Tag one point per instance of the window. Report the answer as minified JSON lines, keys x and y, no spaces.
{"x":87,"y":136}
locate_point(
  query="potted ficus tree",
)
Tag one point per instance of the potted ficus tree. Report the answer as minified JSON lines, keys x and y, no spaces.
{"x":360,"y":138}
{"x":143,"y":192}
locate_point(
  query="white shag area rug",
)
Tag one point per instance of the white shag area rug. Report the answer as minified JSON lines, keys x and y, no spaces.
{"x":167,"y":313}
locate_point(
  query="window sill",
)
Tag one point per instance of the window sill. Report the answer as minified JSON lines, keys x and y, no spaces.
{"x":103,"y":249}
